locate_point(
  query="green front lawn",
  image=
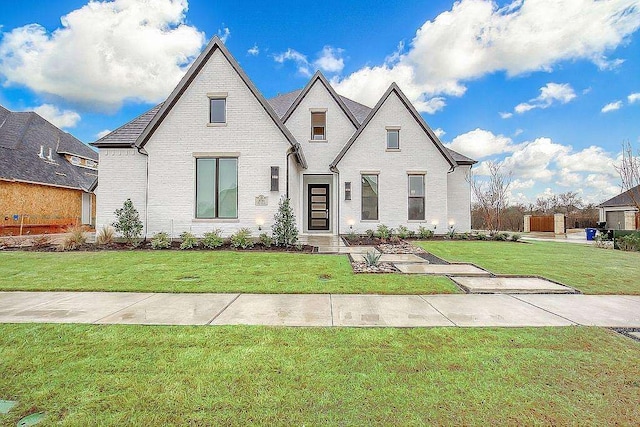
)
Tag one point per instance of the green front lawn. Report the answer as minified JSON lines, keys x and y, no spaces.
{"x":202,"y":271}
{"x":89,"y":375}
{"x":586,"y":268}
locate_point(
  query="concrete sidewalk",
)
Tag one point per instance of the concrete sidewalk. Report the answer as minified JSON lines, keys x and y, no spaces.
{"x":324,"y":310}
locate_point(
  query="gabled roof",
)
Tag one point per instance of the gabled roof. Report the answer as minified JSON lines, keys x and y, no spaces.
{"x":395,"y":89}
{"x":198,"y":64}
{"x":319,"y":77}
{"x":460,"y":158}
{"x":22,"y":134}
{"x":622,"y":199}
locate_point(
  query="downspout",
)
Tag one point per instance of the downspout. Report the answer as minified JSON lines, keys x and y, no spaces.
{"x":335,"y":170}
{"x":290,"y":151}
{"x":146,"y":193}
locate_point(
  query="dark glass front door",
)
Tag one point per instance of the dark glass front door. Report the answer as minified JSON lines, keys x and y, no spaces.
{"x":318,"y":207}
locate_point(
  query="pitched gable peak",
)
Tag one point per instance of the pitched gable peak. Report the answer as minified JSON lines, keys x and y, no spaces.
{"x":318,"y":76}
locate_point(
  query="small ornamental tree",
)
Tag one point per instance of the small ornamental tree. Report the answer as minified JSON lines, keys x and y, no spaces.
{"x":285,"y":232}
{"x":128,"y":223}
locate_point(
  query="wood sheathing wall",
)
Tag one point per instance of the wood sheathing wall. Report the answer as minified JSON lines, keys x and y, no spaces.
{"x":40,"y":204}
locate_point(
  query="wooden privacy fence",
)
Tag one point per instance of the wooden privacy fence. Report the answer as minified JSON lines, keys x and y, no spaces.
{"x":542,"y":223}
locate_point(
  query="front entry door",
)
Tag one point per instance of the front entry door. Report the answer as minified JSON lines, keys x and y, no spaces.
{"x":318,"y":207}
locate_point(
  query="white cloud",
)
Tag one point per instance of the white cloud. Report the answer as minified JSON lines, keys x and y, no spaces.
{"x":549,"y":94}
{"x":505,"y":115}
{"x":633,"y":98}
{"x":478,"y":37}
{"x":532,"y":159}
{"x":518,"y":132}
{"x":104,"y":53}
{"x":224,"y":33}
{"x":57,"y":117}
{"x":518,"y":184}
{"x":590,"y":159}
{"x":103,"y":133}
{"x":330,"y":60}
{"x":439,"y":132}
{"x":612,"y":106}
{"x":480,"y":143}
{"x":293,"y":55}
{"x":254,"y":51}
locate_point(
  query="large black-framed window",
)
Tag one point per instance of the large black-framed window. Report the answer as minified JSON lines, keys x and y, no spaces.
{"x":217,"y":187}
{"x":369,"y":197}
{"x":416,"y":197}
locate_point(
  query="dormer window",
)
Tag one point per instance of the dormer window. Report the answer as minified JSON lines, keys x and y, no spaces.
{"x":318,"y":125}
{"x":393,"y":138}
{"x":217,"y":108}
{"x":75,"y":160}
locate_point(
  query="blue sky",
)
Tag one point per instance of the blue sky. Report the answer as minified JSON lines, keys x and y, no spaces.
{"x":550,"y":88}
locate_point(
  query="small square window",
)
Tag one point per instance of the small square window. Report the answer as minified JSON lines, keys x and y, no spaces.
{"x":318,"y":126}
{"x":218,"y":110}
{"x":393,"y":139}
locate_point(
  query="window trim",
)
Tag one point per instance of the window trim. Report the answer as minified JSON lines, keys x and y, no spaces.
{"x":390,"y":129}
{"x":423,"y":197}
{"x":216,"y":216}
{"x":362,"y":175}
{"x":217,"y":96}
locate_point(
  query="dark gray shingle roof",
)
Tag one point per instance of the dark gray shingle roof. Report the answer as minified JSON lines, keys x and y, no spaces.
{"x":460,"y":158}
{"x":127,"y":134}
{"x":622,"y":199}
{"x":22,"y":135}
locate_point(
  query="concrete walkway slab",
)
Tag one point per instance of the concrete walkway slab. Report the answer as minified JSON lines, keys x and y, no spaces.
{"x":173,"y":309}
{"x":492,"y":310}
{"x":442,"y":269}
{"x":590,"y":310}
{"x":354,"y":250}
{"x":285,"y":310}
{"x":636,"y":335}
{"x":13,"y":302}
{"x":402,"y":258}
{"x":385,"y":310}
{"x":518,"y":285}
{"x":77,"y":307}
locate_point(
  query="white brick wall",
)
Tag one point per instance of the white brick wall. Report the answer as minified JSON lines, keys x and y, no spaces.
{"x":417,"y":154}
{"x":459,"y":198}
{"x":121,"y":176}
{"x":249,"y":132}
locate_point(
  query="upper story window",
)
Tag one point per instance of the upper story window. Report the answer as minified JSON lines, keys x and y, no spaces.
{"x":393,"y":138}
{"x":318,"y":125}
{"x":217,"y":108}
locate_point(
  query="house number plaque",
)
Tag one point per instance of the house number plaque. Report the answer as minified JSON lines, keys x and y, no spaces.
{"x":262,"y":201}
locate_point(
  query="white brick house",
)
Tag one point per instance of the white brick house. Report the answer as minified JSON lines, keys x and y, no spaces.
{"x":217,"y":154}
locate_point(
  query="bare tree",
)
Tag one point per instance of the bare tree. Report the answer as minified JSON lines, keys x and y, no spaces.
{"x":492,"y":195}
{"x":568,"y":202}
{"x":629,"y":171}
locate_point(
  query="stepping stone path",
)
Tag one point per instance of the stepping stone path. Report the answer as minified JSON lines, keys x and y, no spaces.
{"x":442,"y":270}
{"x":511,"y":285}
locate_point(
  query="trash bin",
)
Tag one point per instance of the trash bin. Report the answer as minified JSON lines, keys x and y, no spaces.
{"x":591,"y":233}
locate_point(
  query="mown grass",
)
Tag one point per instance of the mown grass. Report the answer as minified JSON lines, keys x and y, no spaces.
{"x":202,"y":271}
{"x":586,"y":268}
{"x":91,"y":375}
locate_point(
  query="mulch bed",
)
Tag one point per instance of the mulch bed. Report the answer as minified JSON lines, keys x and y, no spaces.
{"x":120,"y":246}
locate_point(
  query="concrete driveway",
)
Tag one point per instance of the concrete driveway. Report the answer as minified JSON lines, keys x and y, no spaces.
{"x":323,"y":310}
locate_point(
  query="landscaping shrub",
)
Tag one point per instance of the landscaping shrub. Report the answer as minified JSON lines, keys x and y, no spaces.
{"x":451,"y":234}
{"x":370,"y":233}
{"x":212,"y":239}
{"x":40,"y":242}
{"x":403,"y":232}
{"x":105,"y":235}
{"x":285,"y":232}
{"x":189,"y":241}
{"x":481,"y":236}
{"x":351,"y":236}
{"x":515,"y":237}
{"x":160,"y":240}
{"x":424,"y":232}
{"x":411,"y":234}
{"x":372,"y":258}
{"x":265,"y":240}
{"x":384,"y":232}
{"x":242,"y":239}
{"x":630,"y":242}
{"x":502,"y":237}
{"x":128,"y":223}
{"x":75,"y":239}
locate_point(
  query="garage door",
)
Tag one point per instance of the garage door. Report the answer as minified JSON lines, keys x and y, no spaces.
{"x":615,"y":220}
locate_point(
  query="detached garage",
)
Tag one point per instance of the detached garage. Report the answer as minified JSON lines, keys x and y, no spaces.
{"x":620,"y":212}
